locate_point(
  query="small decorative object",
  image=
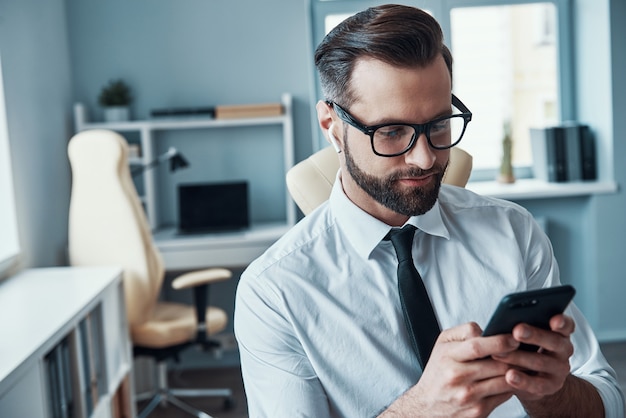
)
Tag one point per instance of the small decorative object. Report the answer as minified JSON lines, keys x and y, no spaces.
{"x":134,"y":151}
{"x":506,"y":165}
{"x":115,"y":97}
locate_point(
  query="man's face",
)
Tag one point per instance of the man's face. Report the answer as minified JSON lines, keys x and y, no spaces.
{"x":411,"y":201}
{"x":408,"y":184}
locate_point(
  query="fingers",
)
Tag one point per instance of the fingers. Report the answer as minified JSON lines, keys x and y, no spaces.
{"x":563,"y":324}
{"x":474,"y":346}
{"x":535,"y":386}
{"x":549,"y":366}
{"x":484,"y":395}
{"x":461,"y":378}
{"x":463,"y":356}
{"x":461,"y":332}
{"x":556,"y":340}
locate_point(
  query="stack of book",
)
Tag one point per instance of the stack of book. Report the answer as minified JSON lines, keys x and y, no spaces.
{"x":75,"y":370}
{"x":207,"y":111}
{"x":564,"y":153}
{"x":248,"y":110}
{"x":90,"y":343}
{"x":59,"y":371}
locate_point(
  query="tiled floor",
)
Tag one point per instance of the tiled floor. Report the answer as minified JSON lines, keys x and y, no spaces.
{"x":231,"y":377}
{"x":219,"y":378}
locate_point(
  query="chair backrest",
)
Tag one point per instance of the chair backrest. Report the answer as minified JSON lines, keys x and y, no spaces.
{"x":310,"y":181}
{"x":107,"y":224}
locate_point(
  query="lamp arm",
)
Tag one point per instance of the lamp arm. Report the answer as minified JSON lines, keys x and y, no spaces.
{"x":171,"y":152}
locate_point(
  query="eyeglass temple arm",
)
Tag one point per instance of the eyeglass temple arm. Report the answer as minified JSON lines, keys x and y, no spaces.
{"x":456,"y":102}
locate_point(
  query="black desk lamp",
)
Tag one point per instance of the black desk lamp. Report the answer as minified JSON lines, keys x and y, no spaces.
{"x":176,"y":159}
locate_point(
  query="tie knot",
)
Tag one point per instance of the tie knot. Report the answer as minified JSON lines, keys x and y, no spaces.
{"x":402,"y":240}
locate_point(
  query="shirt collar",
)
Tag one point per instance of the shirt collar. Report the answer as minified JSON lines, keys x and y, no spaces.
{"x":365,"y":232}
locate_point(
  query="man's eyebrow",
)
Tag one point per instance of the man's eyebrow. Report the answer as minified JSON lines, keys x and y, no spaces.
{"x":387,"y":120}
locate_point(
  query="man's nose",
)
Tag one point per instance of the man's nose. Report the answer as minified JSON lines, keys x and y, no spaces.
{"x":421,"y":154}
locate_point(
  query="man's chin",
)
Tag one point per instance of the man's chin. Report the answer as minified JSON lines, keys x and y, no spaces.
{"x":413,"y":201}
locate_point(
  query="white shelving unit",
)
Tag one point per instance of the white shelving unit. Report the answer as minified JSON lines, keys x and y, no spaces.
{"x":45,"y":314}
{"x":232,"y":249}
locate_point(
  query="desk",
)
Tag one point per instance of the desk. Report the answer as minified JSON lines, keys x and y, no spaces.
{"x":40,"y":309}
{"x":227,"y":249}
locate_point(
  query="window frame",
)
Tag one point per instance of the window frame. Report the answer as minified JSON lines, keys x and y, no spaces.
{"x":441,"y":10}
{"x":8,"y":222}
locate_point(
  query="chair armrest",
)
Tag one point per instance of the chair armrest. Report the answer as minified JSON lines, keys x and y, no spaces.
{"x":200,"y":277}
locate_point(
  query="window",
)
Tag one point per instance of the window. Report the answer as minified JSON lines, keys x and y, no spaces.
{"x":9,"y":245}
{"x":505,"y":70}
{"x":510,"y":65}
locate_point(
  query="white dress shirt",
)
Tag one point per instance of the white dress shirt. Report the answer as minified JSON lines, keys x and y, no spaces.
{"x":318,"y":317}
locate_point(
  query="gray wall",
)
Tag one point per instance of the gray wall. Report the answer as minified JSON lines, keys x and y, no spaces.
{"x":200,"y":52}
{"x":38,"y":90}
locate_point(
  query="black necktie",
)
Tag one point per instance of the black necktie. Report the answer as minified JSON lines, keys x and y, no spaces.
{"x":419,"y":316}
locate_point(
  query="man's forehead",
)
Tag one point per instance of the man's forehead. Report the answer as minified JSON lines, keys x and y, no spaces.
{"x":375,"y":83}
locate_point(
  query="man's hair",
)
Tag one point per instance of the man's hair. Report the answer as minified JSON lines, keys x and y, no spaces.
{"x":401,"y":36}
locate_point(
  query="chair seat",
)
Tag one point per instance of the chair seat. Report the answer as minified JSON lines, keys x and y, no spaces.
{"x":174,"y":323}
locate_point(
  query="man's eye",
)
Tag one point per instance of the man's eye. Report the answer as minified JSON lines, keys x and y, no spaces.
{"x":393,"y":132}
{"x":440,"y":126}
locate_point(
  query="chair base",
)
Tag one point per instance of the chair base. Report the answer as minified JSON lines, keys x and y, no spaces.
{"x":165,"y":395}
{"x":169,"y":397}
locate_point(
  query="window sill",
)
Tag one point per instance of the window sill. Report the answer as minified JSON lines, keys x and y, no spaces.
{"x":537,"y":189}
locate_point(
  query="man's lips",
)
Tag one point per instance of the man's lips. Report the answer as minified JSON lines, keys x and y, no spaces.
{"x":417,"y":181}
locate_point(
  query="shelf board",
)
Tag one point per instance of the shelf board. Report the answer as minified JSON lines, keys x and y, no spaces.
{"x":537,"y":189}
{"x":184,"y":123}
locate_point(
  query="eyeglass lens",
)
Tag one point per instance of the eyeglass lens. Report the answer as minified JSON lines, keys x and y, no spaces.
{"x":441,"y":134}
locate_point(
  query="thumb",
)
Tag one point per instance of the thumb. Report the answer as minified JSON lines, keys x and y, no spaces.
{"x":461,"y":332}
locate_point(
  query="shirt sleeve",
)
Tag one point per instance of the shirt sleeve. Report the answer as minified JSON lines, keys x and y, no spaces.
{"x":278,"y":378}
{"x":589,"y":363}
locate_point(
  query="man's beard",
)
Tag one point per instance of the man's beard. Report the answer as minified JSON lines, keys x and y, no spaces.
{"x":413,"y":202}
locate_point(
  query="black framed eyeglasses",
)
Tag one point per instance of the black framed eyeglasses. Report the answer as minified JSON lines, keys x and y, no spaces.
{"x":393,"y":139}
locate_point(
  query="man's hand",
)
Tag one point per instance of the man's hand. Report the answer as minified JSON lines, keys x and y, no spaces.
{"x":542,"y":380}
{"x":461,"y":378}
{"x":535,"y":375}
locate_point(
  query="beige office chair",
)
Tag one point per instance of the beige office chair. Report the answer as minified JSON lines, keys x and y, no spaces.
{"x":107,"y":226}
{"x":310,"y":181}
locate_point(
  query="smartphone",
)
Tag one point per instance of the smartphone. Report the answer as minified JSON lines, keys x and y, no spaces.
{"x":533,"y":307}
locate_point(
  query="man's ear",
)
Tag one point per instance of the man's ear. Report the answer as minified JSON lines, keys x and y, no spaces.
{"x":333,"y":140}
{"x":325,"y":120}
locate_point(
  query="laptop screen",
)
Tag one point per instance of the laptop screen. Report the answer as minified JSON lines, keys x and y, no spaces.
{"x":207,"y":207}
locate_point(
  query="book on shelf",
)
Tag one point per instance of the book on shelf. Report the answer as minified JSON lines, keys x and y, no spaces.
{"x":90,"y":340}
{"x":206,"y":111}
{"x":248,"y":110}
{"x":588,"y":154}
{"x":563,"y":153}
{"x":60,"y":382}
{"x":571,"y":133}
{"x":549,"y":158}
{"x":86,"y":366}
{"x":121,"y":399}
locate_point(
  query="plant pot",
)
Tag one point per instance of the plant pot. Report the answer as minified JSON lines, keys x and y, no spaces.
{"x":116,"y":114}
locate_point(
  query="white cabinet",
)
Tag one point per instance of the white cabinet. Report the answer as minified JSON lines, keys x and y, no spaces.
{"x":60,"y":357}
{"x":225,"y":249}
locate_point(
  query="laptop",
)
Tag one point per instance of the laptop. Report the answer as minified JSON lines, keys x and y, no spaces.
{"x":212,"y":207}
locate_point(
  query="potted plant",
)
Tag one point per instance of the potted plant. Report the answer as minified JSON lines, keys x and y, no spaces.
{"x":115,"y":97}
